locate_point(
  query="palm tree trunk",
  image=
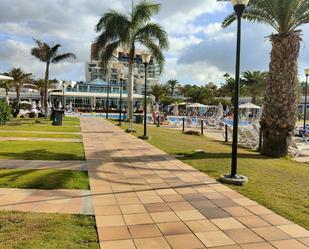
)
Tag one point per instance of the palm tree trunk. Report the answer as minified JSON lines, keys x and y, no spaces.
{"x":18,"y":96}
{"x":279,"y":116}
{"x":253,"y":99}
{"x":42,"y":94}
{"x":131,"y":86}
{"x":7,"y":98}
{"x":46,"y":89}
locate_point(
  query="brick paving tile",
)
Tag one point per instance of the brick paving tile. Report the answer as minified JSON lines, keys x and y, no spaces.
{"x":180,"y":206}
{"x":214,"y":238}
{"x":114,"y":233}
{"x":201,"y":226}
{"x":261,"y":245}
{"x":153,"y":243}
{"x":144,"y":231}
{"x":227,"y":223}
{"x":252,"y":221}
{"x":288,"y":244}
{"x":184,"y":241}
{"x":144,"y":198}
{"x":305,"y":241}
{"x":117,"y":244}
{"x":271,"y":233}
{"x":164,"y":217}
{"x":243,"y":236}
{"x":172,"y":228}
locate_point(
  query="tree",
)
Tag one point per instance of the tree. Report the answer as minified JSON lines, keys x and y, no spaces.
{"x":7,"y":85}
{"x":39,"y":86}
{"x":279,"y":114}
{"x":172,"y":84}
{"x":254,"y":82}
{"x":19,"y":79}
{"x":48,"y":54}
{"x":121,"y":30}
{"x":158,"y":91}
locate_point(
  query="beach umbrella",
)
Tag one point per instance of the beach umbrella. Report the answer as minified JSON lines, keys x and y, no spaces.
{"x":196,"y":105}
{"x":249,"y":106}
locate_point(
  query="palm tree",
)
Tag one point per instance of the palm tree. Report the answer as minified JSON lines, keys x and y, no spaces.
{"x":19,"y":79}
{"x":7,"y":85}
{"x":121,"y":30}
{"x":48,"y":54}
{"x":158,"y":91}
{"x":254,"y":82}
{"x":172,"y":85}
{"x":279,"y":115}
{"x":39,"y":86}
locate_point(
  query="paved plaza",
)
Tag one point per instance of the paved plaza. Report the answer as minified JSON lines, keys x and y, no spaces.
{"x":144,"y":198}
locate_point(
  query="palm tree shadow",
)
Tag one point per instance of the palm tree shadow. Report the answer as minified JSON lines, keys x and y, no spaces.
{"x":41,"y":154}
{"x":219,"y":155}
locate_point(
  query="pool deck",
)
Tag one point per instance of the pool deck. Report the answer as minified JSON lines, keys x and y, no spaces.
{"x":144,"y":198}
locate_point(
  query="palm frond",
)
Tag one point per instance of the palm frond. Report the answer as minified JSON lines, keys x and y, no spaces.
{"x":156,"y":52}
{"x":154,"y":31}
{"x":143,"y":12}
{"x":108,"y":53}
{"x":55,"y":48}
{"x":62,"y":57}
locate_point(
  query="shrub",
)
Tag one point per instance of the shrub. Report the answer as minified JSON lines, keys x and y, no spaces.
{"x":5,"y":112}
{"x":194,"y":133}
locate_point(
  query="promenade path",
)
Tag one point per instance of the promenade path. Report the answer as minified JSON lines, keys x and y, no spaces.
{"x":146,"y":199}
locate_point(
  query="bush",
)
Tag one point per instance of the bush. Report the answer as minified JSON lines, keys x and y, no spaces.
{"x":194,"y":133}
{"x":5,"y":112}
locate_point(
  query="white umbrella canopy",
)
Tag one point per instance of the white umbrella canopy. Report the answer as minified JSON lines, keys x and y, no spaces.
{"x":249,"y":106}
{"x":196,"y":105}
{"x":4,"y":77}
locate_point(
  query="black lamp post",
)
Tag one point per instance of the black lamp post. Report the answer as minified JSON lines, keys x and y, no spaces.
{"x":146,"y":59}
{"x":233,"y":178}
{"x":107,"y":99}
{"x":120,"y":99}
{"x":305,"y":107}
{"x":63,"y":95}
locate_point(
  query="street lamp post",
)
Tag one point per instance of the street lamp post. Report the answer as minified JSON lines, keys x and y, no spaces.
{"x":146,"y":59}
{"x":107,"y":99}
{"x":120,"y":99}
{"x":63,"y":87}
{"x":233,"y":178}
{"x":306,"y":89}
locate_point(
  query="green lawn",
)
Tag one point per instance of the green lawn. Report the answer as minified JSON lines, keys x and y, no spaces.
{"x":39,"y":135}
{"x":48,"y":231}
{"x":279,"y":184}
{"x":70,"y":124}
{"x":43,"y":179}
{"x":29,"y":150}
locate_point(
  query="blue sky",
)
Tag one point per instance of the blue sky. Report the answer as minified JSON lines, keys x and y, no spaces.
{"x":200,"y":52}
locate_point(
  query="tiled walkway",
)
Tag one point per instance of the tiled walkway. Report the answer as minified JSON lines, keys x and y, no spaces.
{"x":46,"y":201}
{"x":146,"y":199}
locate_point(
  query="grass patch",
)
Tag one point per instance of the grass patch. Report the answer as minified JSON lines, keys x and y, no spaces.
{"x":30,"y":150}
{"x":70,"y":124}
{"x":279,"y":184}
{"x":43,"y":179}
{"x":39,"y":135}
{"x":49,"y":231}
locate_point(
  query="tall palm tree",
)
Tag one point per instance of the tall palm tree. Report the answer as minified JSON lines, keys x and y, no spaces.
{"x":121,"y":30}
{"x":279,"y":115}
{"x":172,"y":85}
{"x":39,"y":85}
{"x":6,"y":85}
{"x":158,"y":91}
{"x":254,"y":82}
{"x":48,"y":54}
{"x":19,"y":79}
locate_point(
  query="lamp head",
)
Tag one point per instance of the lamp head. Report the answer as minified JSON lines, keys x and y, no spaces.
{"x":146,"y":57}
{"x":239,"y":2}
{"x":307,"y":72}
